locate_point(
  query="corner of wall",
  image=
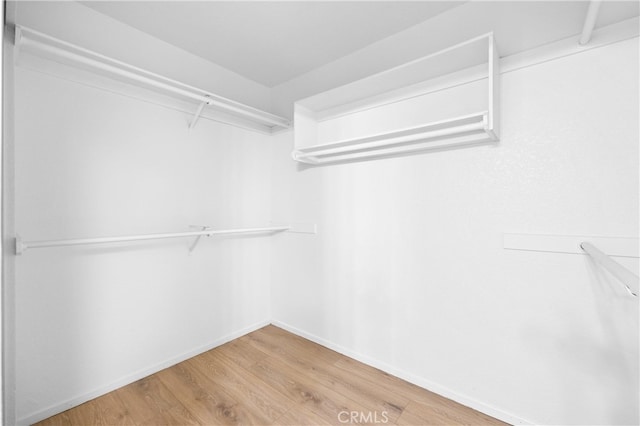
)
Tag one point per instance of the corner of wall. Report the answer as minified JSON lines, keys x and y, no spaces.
{"x":7,"y":212}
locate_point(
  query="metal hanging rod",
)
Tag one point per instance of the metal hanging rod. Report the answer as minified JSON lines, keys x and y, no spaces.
{"x":70,"y":53}
{"x":21,"y":245}
{"x":625,"y":276}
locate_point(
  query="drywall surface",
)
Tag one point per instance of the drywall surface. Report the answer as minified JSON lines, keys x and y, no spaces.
{"x":90,"y":163}
{"x":72,"y":22}
{"x":408,"y":271}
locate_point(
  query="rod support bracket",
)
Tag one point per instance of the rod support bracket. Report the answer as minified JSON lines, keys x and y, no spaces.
{"x":207,"y":101}
{"x":20,"y":248}
{"x":197,"y":240}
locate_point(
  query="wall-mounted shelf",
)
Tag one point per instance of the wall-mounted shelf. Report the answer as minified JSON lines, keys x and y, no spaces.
{"x":59,"y":51}
{"x":320,"y":125}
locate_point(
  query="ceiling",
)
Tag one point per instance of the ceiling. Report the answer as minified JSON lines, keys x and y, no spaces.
{"x":275,"y":42}
{"x":271,"y":42}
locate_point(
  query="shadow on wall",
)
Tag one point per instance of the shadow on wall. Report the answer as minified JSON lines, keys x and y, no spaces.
{"x":606,"y":361}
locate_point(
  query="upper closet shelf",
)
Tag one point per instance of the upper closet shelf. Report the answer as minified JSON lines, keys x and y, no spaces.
{"x":59,"y":51}
{"x":405,"y":109}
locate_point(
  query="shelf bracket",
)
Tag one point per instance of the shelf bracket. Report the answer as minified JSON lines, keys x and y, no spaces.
{"x":19,"y":246}
{"x":197,"y":240}
{"x":589,"y":22}
{"x":196,"y":116}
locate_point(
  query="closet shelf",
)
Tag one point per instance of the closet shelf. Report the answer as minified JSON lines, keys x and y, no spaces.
{"x":387,"y":101}
{"x":43,"y":45}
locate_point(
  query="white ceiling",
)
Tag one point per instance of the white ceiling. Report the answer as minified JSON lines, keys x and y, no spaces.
{"x":274,"y":42}
{"x":270,"y":42}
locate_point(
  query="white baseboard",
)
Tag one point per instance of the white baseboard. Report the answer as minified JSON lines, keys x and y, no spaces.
{"x":80,"y":399}
{"x":411,"y":378}
{"x":419,"y":381}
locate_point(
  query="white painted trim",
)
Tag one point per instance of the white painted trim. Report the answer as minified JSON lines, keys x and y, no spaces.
{"x":411,"y":378}
{"x":79,"y":399}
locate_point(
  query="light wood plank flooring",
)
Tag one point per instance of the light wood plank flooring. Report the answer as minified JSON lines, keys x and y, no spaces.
{"x":270,"y":377}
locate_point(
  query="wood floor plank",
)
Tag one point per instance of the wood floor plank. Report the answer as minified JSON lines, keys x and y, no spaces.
{"x":208,"y":404}
{"x":303,"y":354}
{"x":273,"y":341}
{"x":385,"y":380}
{"x":242,"y":385}
{"x":242,"y":352}
{"x":111,"y":411}
{"x":105,"y":410}
{"x":301,"y":416}
{"x":146,"y":397}
{"x":177,"y":416}
{"x":319,"y":399}
{"x":84,"y":414}
{"x":435,"y":408}
{"x":445,"y":412}
{"x":61,"y":419}
{"x":354,"y":387}
{"x":409,"y":418}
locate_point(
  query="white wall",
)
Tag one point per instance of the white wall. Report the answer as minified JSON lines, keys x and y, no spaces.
{"x":92,"y":163}
{"x":408,"y":271}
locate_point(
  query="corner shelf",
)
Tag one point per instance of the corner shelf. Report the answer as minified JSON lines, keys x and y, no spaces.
{"x":322,"y":120}
{"x":67,"y":54}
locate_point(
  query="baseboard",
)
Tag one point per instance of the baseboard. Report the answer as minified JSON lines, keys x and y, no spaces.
{"x":80,"y":399}
{"x":419,"y":381}
{"x":411,"y":378}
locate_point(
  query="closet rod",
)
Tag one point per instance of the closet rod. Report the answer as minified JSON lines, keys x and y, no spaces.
{"x":21,"y":246}
{"x":626,"y":277}
{"x":26,"y":37}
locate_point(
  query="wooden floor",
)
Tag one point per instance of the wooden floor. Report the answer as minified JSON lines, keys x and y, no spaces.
{"x":270,"y":377}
